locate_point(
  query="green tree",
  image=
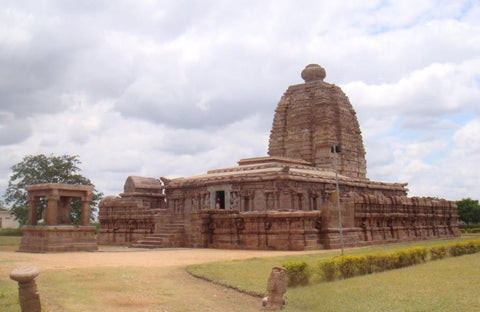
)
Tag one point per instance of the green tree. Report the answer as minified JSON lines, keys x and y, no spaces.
{"x":36,"y":169}
{"x":2,"y":206}
{"x":468,"y":211}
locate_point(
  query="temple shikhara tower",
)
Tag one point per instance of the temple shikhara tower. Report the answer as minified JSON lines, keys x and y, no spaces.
{"x":286,"y":200}
{"x":310,"y":118}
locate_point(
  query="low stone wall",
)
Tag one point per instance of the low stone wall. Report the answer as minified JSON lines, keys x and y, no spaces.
{"x":58,"y":238}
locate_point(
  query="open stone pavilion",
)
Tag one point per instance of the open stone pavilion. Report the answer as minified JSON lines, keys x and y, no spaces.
{"x":57,"y":233}
{"x":286,"y":200}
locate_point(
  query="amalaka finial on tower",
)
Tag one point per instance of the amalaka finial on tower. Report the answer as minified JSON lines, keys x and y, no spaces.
{"x":313,"y":72}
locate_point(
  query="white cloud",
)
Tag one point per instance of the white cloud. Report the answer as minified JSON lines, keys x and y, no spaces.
{"x":179,"y":87}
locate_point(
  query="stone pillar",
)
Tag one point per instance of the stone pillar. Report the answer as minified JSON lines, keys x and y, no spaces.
{"x":276,"y":287}
{"x":52,"y":210}
{"x":27,"y":288}
{"x":64,"y":210}
{"x":85,"y":212}
{"x":32,"y":210}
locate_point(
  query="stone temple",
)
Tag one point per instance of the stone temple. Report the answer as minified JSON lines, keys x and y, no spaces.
{"x":286,"y":200}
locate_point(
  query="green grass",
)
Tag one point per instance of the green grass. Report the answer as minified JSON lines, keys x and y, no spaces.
{"x":9,"y":297}
{"x":446,"y":285}
{"x":250,"y":275}
{"x":443,"y":285}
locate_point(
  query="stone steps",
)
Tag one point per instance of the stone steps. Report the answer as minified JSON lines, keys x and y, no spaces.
{"x":172,"y":235}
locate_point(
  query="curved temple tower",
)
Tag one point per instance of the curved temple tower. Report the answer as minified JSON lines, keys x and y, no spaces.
{"x":286,"y":200}
{"x":312,"y":116}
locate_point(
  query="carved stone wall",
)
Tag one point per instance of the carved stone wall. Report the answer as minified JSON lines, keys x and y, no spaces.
{"x":130,"y":217}
{"x":366,"y":220}
{"x":231,"y":229}
{"x":372,"y":219}
{"x":124,"y":220}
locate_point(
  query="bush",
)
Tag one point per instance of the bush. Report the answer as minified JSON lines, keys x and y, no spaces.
{"x":350,"y":266}
{"x":464,"y":248}
{"x":382,"y":261}
{"x":438,"y":252}
{"x":408,"y":257}
{"x":419,"y":254}
{"x":297,"y":273}
{"x":328,"y":269}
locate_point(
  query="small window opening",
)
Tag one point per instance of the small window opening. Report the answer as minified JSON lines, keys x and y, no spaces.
{"x":220,"y":200}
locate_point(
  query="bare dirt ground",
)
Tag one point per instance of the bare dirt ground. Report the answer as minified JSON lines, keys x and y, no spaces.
{"x":110,"y":256}
{"x":177,"y":290}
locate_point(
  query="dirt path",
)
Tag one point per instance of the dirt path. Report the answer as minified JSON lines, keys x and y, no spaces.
{"x":176,"y":290}
{"x":118,"y":256}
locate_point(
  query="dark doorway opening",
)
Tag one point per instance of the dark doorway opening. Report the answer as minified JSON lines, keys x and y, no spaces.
{"x":220,"y":200}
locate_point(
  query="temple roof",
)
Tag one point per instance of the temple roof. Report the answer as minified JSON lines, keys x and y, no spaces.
{"x":273,"y":168}
{"x":136,"y":184}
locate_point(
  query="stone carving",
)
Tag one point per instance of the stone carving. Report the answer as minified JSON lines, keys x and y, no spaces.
{"x":276,"y":287}
{"x":27,"y":288}
{"x":282,"y":201}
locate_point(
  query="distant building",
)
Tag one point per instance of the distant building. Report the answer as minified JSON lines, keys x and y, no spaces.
{"x":7,"y":220}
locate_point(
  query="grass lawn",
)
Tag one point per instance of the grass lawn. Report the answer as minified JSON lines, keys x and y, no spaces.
{"x":444,"y":285}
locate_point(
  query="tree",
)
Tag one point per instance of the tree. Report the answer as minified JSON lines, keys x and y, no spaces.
{"x":468,"y":211}
{"x":36,"y":169}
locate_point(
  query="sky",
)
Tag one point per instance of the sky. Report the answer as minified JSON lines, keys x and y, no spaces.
{"x":175,"y":88}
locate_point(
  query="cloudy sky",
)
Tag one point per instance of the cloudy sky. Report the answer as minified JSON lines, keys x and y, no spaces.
{"x":174,"y":88}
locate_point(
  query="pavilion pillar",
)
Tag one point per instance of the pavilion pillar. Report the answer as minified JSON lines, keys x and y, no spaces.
{"x":85,"y":212}
{"x":52,"y":210}
{"x":64,"y":210}
{"x":32,"y":211}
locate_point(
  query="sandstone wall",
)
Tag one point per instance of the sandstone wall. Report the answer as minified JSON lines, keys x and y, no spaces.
{"x":377,"y":219}
{"x":257,"y":230}
{"x":124,"y":220}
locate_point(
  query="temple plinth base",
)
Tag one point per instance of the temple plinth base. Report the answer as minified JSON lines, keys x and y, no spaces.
{"x":58,"y":238}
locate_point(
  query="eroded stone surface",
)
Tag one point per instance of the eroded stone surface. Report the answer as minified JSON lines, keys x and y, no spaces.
{"x":27,"y":288}
{"x":276,"y":288}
